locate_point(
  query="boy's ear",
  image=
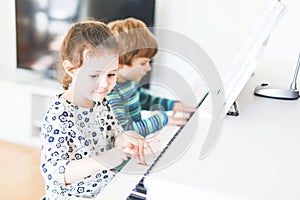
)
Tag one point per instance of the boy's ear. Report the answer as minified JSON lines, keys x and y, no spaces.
{"x":69,"y":68}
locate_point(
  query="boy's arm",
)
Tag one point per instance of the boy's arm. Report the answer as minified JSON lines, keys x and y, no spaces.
{"x":149,"y":102}
{"x":151,"y":124}
{"x":143,"y":127}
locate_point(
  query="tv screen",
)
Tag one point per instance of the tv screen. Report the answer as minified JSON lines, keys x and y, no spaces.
{"x":42,"y":24}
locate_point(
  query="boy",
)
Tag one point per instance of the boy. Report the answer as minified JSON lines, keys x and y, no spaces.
{"x":138,"y":46}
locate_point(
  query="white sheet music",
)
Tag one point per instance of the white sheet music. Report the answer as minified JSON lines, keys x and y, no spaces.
{"x":244,"y":61}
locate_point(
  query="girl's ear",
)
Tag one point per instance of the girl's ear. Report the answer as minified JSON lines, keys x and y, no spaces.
{"x":120,"y":66}
{"x":69,"y":68}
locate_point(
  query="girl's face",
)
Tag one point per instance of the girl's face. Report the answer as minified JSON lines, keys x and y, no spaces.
{"x":95,"y":78}
{"x":137,"y":70}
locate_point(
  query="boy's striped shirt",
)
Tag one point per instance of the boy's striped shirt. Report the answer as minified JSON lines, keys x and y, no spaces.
{"x":128,"y":100}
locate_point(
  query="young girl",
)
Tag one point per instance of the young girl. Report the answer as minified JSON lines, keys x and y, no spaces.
{"x":138,"y":46}
{"x":82,"y":140}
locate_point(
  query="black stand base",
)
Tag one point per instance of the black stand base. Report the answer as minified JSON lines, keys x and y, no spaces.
{"x":235,"y":111}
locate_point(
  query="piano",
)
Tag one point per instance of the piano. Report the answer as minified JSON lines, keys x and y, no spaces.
{"x":178,"y":169}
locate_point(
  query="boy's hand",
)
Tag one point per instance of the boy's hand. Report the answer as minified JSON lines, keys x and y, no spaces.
{"x":183,"y":116}
{"x":180,"y":107}
{"x":176,"y":121}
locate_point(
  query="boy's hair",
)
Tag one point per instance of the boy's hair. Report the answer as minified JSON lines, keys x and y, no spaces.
{"x":135,"y":40}
{"x":89,"y":35}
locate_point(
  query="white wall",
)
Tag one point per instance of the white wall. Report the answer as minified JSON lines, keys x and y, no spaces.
{"x":217,"y":26}
{"x":7,"y":35}
{"x":220,"y":26}
{"x":284,"y":44}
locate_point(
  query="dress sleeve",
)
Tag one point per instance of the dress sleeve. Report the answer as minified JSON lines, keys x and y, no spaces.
{"x":55,"y":149}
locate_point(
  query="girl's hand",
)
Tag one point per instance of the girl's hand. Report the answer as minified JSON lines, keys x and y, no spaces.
{"x":134,"y":144}
{"x":112,"y":158}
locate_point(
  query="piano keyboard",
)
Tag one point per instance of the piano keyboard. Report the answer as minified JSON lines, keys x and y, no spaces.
{"x":127,"y":182}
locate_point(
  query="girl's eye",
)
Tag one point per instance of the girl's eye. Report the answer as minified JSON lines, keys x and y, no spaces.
{"x":94,"y":76}
{"x":111,"y":75}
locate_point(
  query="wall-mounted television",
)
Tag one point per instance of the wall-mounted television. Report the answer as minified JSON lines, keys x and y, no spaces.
{"x":42,"y":24}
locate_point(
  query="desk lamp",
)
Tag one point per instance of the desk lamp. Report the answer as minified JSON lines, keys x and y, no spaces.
{"x":292,"y":93}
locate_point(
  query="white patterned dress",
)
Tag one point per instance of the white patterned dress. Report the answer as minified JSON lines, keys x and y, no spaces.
{"x":71,"y":133}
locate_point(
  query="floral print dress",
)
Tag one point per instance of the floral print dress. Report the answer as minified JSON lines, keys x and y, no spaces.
{"x":71,"y":133}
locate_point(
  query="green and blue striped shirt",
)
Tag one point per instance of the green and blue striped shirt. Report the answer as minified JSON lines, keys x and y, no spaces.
{"x":128,"y":100}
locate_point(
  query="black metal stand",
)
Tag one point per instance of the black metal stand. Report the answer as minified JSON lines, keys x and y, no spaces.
{"x":235,"y":111}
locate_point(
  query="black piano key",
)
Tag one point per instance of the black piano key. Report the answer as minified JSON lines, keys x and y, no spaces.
{"x":135,"y":197}
{"x":140,"y":188}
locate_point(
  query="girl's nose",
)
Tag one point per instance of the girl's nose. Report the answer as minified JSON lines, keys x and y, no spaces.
{"x":103,"y":82}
